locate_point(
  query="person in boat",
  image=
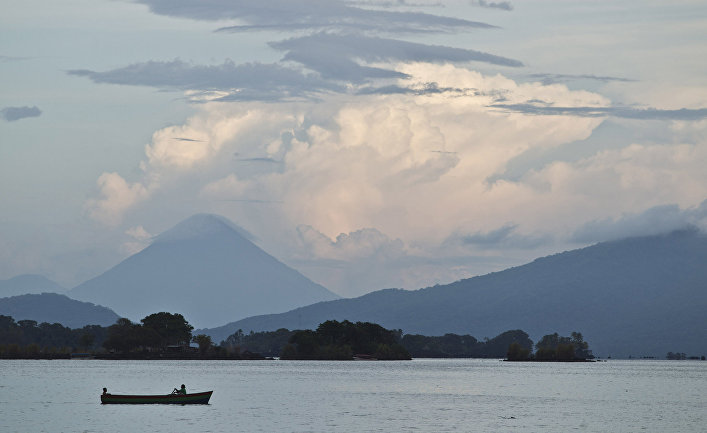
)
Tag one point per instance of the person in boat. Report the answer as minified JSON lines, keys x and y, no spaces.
{"x":105,"y":391}
{"x":182,"y":390}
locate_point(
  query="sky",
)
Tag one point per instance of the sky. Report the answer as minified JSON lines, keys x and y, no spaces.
{"x":368,"y":144}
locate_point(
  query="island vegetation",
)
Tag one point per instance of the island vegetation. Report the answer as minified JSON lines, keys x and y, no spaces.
{"x":158,"y":336}
{"x":553,"y":347}
{"x":465,"y":346}
{"x":333,"y":340}
{"x":169,"y":336}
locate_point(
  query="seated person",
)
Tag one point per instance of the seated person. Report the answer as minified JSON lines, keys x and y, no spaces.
{"x":182,"y":390}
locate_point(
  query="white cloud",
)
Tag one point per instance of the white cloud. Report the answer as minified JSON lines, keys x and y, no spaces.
{"x":139,"y":240}
{"x":367,"y":243}
{"x":398,"y":174}
{"x":116,"y":196}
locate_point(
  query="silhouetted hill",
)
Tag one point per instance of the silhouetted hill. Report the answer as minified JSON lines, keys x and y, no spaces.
{"x":25,"y":284}
{"x":206,"y":269}
{"x":55,"y":308}
{"x":639,"y":296}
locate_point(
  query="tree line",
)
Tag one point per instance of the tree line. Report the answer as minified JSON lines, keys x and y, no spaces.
{"x":553,"y":347}
{"x":156,"y":335}
{"x":29,"y":339}
{"x":344,"y":340}
{"x":165,"y":334}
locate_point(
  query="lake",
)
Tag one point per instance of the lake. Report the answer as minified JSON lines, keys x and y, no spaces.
{"x":423,"y":395}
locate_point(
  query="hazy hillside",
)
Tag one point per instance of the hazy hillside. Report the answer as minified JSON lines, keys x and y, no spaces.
{"x":24,"y":284}
{"x":205,"y":269}
{"x":55,"y":308}
{"x":638,"y":296}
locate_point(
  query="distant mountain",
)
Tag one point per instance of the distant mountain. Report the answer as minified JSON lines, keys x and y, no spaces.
{"x":55,"y":308}
{"x":24,"y":284}
{"x":206,"y":269}
{"x":639,"y":296}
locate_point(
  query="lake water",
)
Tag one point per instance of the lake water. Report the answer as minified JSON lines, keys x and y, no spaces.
{"x":423,"y":395}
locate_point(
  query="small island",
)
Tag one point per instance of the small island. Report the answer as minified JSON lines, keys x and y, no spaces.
{"x":333,"y":340}
{"x":553,"y":348}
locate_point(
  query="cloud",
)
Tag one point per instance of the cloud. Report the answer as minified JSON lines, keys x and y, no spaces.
{"x":309,"y":14}
{"x":237,"y":82}
{"x":614,"y":111}
{"x":139,"y":240}
{"x":331,"y":54}
{"x":503,"y":5}
{"x":343,"y":159}
{"x":504,"y":237}
{"x":334,"y":57}
{"x":366,"y":243}
{"x":404,"y":177}
{"x":8,"y":59}
{"x":12,"y":114}
{"x":563,"y":78}
{"x":337,"y":48}
{"x":655,"y":220}
{"x":117,"y":195}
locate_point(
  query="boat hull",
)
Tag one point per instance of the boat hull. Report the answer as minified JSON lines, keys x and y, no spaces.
{"x":196,"y":398}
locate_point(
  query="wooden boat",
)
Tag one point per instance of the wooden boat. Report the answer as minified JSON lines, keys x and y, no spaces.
{"x":195,"y":398}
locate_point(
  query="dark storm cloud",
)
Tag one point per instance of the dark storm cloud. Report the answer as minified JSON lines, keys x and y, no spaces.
{"x":243,"y":82}
{"x":12,"y":114}
{"x":308,"y":14}
{"x":620,"y":112}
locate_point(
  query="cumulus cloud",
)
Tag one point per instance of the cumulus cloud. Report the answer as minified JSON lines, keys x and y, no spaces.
{"x":12,"y":114}
{"x":367,"y":243}
{"x":385,"y":184}
{"x":338,"y":162}
{"x":139,"y":239}
{"x":116,"y":195}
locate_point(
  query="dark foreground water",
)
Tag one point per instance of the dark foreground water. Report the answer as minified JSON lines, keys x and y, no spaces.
{"x":421,"y":395}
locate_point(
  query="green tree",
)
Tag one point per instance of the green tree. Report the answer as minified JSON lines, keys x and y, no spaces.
{"x":86,"y":340}
{"x":204,"y":342}
{"x":565,"y":352}
{"x":516,"y":352}
{"x":173,"y":329}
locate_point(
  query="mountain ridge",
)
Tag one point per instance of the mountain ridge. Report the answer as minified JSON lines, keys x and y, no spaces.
{"x":653,"y":287}
{"x":56,"y":308}
{"x":29,"y":284}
